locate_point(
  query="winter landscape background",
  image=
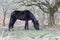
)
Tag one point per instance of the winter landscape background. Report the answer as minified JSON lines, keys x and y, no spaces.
{"x":45,"y":33}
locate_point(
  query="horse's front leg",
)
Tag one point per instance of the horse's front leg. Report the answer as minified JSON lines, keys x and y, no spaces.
{"x":26,"y":25}
{"x":12,"y":21}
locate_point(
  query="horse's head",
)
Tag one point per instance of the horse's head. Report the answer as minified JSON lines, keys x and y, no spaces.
{"x":36,"y":25}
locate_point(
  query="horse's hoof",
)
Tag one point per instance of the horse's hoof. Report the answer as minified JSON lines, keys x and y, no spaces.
{"x":8,"y":29}
{"x":12,"y":29}
{"x":37,"y":29}
{"x":26,"y":29}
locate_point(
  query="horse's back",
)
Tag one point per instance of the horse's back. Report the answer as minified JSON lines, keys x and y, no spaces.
{"x":22,"y":15}
{"x":17,"y":12}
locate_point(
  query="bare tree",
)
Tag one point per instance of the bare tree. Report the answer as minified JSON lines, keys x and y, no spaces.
{"x":47,"y":7}
{"x":6,"y":5}
{"x":4,"y":8}
{"x":4,"y":17}
{"x":51,"y":9}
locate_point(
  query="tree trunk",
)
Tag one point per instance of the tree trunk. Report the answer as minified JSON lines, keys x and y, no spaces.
{"x":4,"y":18}
{"x":52,"y":21}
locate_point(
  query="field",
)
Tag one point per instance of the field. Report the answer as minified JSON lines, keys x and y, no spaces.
{"x":48,"y":33}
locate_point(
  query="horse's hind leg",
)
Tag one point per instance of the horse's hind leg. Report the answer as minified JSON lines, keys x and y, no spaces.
{"x":26,"y":25}
{"x":12,"y":21}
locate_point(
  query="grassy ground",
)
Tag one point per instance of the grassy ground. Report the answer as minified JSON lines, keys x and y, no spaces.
{"x":43,"y":34}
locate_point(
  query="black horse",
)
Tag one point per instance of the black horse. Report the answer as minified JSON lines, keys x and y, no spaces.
{"x":25,"y":15}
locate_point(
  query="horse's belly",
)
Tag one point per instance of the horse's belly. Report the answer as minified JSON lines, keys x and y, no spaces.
{"x":23,"y":18}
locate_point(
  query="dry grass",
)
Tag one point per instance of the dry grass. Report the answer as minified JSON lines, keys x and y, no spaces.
{"x":43,"y":34}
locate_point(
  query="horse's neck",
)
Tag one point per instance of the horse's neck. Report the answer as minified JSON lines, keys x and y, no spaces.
{"x":33,"y":18}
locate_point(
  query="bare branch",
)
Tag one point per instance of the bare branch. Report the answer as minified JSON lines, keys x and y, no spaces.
{"x":43,"y":9}
{"x":56,"y":6}
{"x":31,"y":4}
{"x":47,"y":2}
